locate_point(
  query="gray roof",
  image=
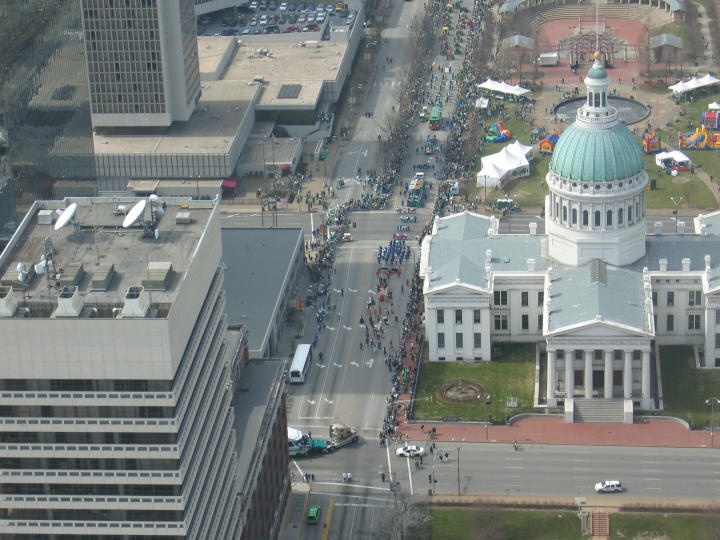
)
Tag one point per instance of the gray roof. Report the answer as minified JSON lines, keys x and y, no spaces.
{"x":254,"y":391}
{"x":518,"y":40}
{"x":676,"y":5}
{"x":597,"y":291}
{"x":510,"y":6}
{"x":666,"y":39}
{"x":257,"y":261}
{"x":457,"y":251}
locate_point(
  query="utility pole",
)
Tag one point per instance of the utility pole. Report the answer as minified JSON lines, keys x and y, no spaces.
{"x":458,"y":470}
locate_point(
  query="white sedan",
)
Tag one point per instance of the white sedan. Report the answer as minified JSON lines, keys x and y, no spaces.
{"x":410,"y":451}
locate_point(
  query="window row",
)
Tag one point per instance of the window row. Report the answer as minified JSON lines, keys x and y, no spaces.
{"x":127,"y":108}
{"x":612,"y":217}
{"x":138,"y":37}
{"x":501,"y":322}
{"x":500,"y":298}
{"x":695,"y":298}
{"x":694,"y":322}
{"x":459,"y":340}
{"x":440,"y":316}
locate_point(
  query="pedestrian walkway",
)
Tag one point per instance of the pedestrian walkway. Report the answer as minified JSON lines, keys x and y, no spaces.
{"x":553,"y":430}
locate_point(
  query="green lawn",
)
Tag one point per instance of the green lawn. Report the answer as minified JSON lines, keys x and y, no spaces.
{"x":471,"y":524}
{"x":685,"y":388}
{"x":676,"y":527}
{"x":694,"y":192}
{"x":510,"y":374}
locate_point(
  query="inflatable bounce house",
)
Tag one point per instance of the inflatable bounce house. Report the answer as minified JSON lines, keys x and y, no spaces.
{"x":651,"y":143}
{"x":547,"y":145}
{"x":498,"y":133}
{"x":702,"y":139}
{"x":711,"y":119}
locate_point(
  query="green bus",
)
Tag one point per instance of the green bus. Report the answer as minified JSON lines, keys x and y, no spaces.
{"x":435,"y":117}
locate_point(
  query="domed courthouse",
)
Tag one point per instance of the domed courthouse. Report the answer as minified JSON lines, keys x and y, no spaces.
{"x":596,"y":293}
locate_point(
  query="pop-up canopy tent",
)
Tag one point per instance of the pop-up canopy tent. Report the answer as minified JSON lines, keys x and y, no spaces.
{"x":503,"y":88}
{"x":509,"y":163}
{"x":685,"y":86}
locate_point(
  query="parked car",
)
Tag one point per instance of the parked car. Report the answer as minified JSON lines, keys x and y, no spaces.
{"x":301,"y":19}
{"x":311,"y":28}
{"x":263,"y":6}
{"x":293,"y":28}
{"x":254,"y":6}
{"x":311,"y":17}
{"x":410,"y":451}
{"x":292,"y":18}
{"x":272,"y":6}
{"x":320,"y":18}
{"x":283,"y":7}
{"x":228,"y":31}
{"x":263,"y":20}
{"x":281,"y":19}
{"x":253,"y":21}
{"x":313,"y":515}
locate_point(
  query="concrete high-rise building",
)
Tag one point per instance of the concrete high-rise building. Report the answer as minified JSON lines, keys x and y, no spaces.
{"x":116,"y":381}
{"x":142,"y":62}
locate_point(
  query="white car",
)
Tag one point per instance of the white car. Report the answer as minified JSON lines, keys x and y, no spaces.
{"x":320,"y":18}
{"x":608,"y":486}
{"x":283,"y":7}
{"x":410,"y":451}
{"x":311,"y":18}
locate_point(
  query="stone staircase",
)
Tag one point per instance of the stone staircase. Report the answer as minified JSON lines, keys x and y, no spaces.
{"x":592,"y":411}
{"x":543,"y":14}
{"x":599,"y":524}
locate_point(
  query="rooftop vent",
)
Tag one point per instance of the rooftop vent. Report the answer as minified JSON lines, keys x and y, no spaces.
{"x":18,"y":275}
{"x":184,"y":217}
{"x":8,"y":302}
{"x":663,"y":265}
{"x":533,"y":228}
{"x":598,"y":271}
{"x":681,"y":227}
{"x":102,"y":277}
{"x":45,"y":217}
{"x":531,"y":265}
{"x":137,"y":303}
{"x":686,"y":264}
{"x":157,"y":276}
{"x":70,"y":303}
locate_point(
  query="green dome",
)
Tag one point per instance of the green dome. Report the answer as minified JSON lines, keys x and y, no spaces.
{"x":597,"y":73}
{"x":597,"y":155}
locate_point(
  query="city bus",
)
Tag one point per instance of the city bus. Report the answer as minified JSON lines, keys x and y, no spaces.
{"x":435,"y":117}
{"x":300,"y":363}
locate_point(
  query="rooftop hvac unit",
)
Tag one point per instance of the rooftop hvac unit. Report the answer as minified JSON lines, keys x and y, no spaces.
{"x":312,"y":44}
{"x":102,"y":277}
{"x":157,"y":276}
{"x":71,"y":274}
{"x":183,"y":217}
{"x":8,"y":302}
{"x":137,"y":303}
{"x":45,"y":217}
{"x":259,"y":78}
{"x":70,"y":303}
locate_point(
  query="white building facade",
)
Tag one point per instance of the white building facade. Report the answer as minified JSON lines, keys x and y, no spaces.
{"x":596,"y":293}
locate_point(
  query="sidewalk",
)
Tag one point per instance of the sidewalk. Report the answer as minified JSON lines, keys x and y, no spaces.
{"x":553,"y":430}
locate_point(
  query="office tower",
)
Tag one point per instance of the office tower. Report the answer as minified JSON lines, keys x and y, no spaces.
{"x":142,"y":62}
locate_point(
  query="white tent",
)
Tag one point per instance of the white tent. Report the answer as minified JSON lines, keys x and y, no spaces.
{"x":669,"y":159}
{"x":482,"y":103}
{"x":683,"y":86}
{"x":503,"y":88}
{"x":509,"y":163}
{"x":714,"y":106}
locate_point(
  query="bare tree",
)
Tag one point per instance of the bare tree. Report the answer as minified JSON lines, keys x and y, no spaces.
{"x":407,"y":520}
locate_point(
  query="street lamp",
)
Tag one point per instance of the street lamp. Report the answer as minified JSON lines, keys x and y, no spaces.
{"x":675,"y":212}
{"x":712,"y":401}
{"x":487,"y":398}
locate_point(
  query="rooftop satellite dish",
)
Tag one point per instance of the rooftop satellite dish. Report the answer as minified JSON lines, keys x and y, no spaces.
{"x":22,"y":276}
{"x":40,"y":267}
{"x":66,"y":216}
{"x":134,"y":214}
{"x":20,"y":267}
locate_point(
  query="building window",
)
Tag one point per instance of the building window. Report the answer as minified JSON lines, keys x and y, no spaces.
{"x":441,"y":340}
{"x":608,"y":219}
{"x":670,"y":298}
{"x":541,"y":297}
{"x":620,"y":217}
{"x":636,"y":373}
{"x":459,"y":340}
{"x":501,"y":322}
{"x":695,"y":298}
{"x":654,"y":297}
{"x":525,"y":322}
{"x":670,"y":323}
{"x":524,"y":298}
{"x":629,"y":214}
{"x":557,"y":210}
{"x":574,"y":216}
{"x":717,"y":341}
{"x":597,"y":218}
{"x":500,"y":298}
{"x":540,"y":323}
{"x":477,"y":340}
{"x":440,"y":316}
{"x":476,"y":316}
{"x":458,"y":316}
{"x":693,"y":322}
{"x":585,"y":218}
{"x":564,"y":216}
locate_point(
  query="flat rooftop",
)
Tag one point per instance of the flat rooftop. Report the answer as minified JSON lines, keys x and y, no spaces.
{"x":212,"y":128}
{"x":212,"y":51}
{"x":99,"y":256}
{"x":257,"y":261}
{"x":278,"y":150}
{"x":254,"y":394}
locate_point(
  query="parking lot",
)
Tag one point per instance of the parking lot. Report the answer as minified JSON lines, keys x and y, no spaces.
{"x":273,"y":18}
